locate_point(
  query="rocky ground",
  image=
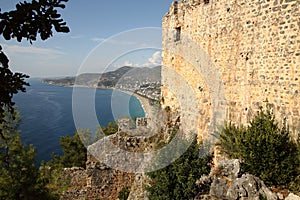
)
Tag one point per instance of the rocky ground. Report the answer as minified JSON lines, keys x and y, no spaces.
{"x":226,"y":181}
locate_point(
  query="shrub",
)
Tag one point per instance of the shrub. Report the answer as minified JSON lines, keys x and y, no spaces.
{"x":178,"y":180}
{"x":124,"y":193}
{"x":265,"y":149}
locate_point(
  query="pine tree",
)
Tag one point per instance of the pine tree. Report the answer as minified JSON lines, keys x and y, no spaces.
{"x":18,"y":172}
{"x":264,"y":147}
{"x":74,"y":151}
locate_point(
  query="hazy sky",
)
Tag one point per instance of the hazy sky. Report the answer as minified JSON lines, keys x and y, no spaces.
{"x":104,"y":35}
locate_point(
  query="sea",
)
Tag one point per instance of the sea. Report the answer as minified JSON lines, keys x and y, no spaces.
{"x":46,"y":113}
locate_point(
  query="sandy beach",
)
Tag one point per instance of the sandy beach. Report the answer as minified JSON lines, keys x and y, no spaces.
{"x":145,"y":104}
{"x":143,"y":100}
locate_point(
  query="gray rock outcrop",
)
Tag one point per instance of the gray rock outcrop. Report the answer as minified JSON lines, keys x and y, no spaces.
{"x":227,"y":182}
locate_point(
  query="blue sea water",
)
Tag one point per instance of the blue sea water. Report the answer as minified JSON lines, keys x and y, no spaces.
{"x":46,"y":112}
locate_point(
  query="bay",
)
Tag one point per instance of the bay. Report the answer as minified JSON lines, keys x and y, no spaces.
{"x":46,"y":113}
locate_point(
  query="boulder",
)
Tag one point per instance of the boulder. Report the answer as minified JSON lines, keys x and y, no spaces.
{"x":228,"y":182}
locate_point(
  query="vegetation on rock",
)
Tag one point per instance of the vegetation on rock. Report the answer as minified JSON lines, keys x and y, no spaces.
{"x":74,"y":154}
{"x":124,"y":193}
{"x":178,"y":180}
{"x":111,"y":128}
{"x":264,"y":148}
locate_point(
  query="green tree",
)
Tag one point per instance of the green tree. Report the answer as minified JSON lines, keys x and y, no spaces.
{"x":74,"y":148}
{"x":28,"y":21}
{"x":53,"y":180}
{"x":18,"y":173}
{"x":111,"y":128}
{"x":74,"y":151}
{"x":178,"y":180}
{"x":10,"y":84}
{"x":31,"y":19}
{"x":264,"y":147}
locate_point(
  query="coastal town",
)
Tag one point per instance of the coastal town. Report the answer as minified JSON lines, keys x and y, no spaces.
{"x":142,"y":81}
{"x":148,"y":89}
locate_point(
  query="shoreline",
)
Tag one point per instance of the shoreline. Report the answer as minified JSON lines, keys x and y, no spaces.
{"x":145,"y":105}
{"x":143,"y":100}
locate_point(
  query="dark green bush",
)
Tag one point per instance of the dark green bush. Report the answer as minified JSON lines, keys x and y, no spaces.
{"x":124,"y":193}
{"x":264,"y":147}
{"x":178,"y":180}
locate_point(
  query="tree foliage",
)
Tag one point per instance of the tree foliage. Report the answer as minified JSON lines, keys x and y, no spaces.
{"x":18,"y":173}
{"x":74,"y":151}
{"x":28,"y":21}
{"x":111,"y":128}
{"x":178,"y":180}
{"x":10,"y":84}
{"x":53,"y":180}
{"x":74,"y":148}
{"x":264,"y":147}
{"x":19,"y":178}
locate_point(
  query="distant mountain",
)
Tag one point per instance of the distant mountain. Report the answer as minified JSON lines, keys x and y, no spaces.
{"x":122,"y":76}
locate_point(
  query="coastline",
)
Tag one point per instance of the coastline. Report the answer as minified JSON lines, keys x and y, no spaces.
{"x":145,"y":105}
{"x":143,"y":100}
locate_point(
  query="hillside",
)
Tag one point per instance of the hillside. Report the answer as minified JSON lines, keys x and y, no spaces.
{"x":144,"y":81}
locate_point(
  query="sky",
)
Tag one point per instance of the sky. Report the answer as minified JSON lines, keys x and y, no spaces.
{"x":104,"y":35}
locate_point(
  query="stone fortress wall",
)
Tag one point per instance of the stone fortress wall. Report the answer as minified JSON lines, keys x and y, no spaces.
{"x":222,"y":59}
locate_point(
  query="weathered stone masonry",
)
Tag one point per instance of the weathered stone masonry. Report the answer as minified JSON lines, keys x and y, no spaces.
{"x":223,"y":59}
